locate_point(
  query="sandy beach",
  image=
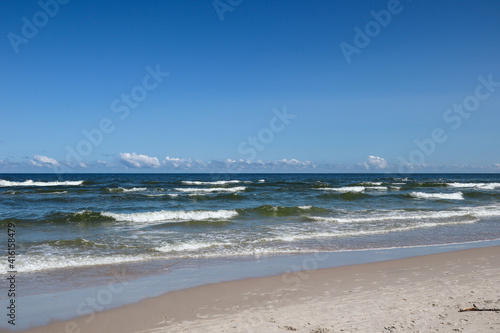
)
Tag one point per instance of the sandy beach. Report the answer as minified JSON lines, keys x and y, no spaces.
{"x":418,"y":294}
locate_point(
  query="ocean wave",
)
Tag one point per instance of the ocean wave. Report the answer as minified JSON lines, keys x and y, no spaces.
{"x":472,"y":213}
{"x":210,"y":190}
{"x":218,"y":182}
{"x":84,"y":216}
{"x":390,"y":216}
{"x":53,"y":192}
{"x":483,"y":186}
{"x":371,"y":183}
{"x":76,"y":243}
{"x":29,"y":182}
{"x":217,"y":196}
{"x":344,"y":189}
{"x":134,"y":189}
{"x":291,"y":237}
{"x":438,"y":196}
{"x":469,"y":213}
{"x":484,"y":211}
{"x":124,"y":190}
{"x":34,"y":263}
{"x":176,"y":215}
{"x":281,"y":211}
{"x":200,"y":194}
{"x":425,"y":184}
{"x":188,"y":246}
{"x":480,"y":194}
{"x":347,"y":196}
{"x":378,"y":188}
{"x":159,"y":195}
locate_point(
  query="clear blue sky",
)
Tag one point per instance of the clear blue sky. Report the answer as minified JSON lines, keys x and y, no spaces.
{"x":238,"y":71}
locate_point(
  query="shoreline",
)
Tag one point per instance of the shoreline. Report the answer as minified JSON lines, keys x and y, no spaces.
{"x":286,"y":289}
{"x":83,"y":277}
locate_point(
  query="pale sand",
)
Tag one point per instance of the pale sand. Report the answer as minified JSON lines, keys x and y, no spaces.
{"x":420,"y":294}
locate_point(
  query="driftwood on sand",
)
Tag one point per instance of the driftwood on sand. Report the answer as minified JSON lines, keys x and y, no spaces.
{"x":475,"y":308}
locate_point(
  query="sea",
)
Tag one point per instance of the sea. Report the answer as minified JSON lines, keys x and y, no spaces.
{"x":72,"y":236}
{"x":65,"y":221}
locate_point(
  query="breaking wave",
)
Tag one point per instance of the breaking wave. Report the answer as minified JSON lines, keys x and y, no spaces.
{"x":438,"y":196}
{"x":483,"y":186}
{"x":211,"y":190}
{"x":218,"y":182}
{"x":29,"y":182}
{"x":178,"y":215}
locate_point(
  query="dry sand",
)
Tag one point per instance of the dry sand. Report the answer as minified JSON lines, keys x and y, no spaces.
{"x":419,"y":294}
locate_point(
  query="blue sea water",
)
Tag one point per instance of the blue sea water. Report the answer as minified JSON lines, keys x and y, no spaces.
{"x":75,"y":221}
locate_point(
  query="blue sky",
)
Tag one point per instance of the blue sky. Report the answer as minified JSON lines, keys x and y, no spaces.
{"x":229,"y":85}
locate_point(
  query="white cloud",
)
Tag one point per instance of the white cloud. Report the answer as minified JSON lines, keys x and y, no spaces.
{"x":284,"y":164}
{"x":231,"y":165}
{"x":173,"y":159}
{"x":40,"y":160}
{"x":375,"y":162}
{"x":139,"y":161}
{"x":177,"y":162}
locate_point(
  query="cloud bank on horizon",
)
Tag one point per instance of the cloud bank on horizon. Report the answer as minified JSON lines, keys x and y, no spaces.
{"x":133,"y":162}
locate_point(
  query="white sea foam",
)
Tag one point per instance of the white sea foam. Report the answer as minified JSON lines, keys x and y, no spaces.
{"x":218,"y":182}
{"x":484,"y":211}
{"x":211,"y":190}
{"x":483,"y":186}
{"x":399,"y":215}
{"x":134,"y":189}
{"x":41,"y":262}
{"x":122,"y":189}
{"x":305,"y":207}
{"x":250,"y":251}
{"x":262,"y":180}
{"x":444,"y":196}
{"x":197,"y":194}
{"x":347,"y":233}
{"x":29,"y":182}
{"x":176,"y":215}
{"x":187,"y":246}
{"x":372,"y":183}
{"x":378,"y":188}
{"x":171,"y":195}
{"x":345,"y":189}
